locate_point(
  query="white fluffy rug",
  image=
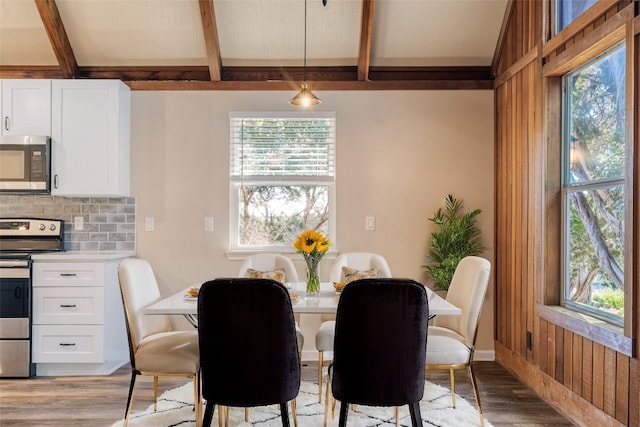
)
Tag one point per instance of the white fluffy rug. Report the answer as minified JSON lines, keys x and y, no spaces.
{"x":175,"y":408}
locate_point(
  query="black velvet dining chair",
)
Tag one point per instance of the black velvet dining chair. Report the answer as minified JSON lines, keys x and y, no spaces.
{"x":380,"y":341}
{"x":248,"y":346}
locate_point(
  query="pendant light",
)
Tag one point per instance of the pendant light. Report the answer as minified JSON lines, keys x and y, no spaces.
{"x":305,"y":97}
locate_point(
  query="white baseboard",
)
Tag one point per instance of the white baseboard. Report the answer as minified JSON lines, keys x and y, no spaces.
{"x":484,"y":355}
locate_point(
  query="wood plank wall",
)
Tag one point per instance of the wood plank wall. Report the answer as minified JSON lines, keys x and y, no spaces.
{"x":590,"y":382}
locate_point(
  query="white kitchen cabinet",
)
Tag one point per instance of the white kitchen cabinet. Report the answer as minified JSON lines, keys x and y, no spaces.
{"x":90,"y":133}
{"x":78,"y":318}
{"x":26,"y":106}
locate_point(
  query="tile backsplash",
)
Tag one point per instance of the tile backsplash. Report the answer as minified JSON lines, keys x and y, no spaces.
{"x":109,"y":223}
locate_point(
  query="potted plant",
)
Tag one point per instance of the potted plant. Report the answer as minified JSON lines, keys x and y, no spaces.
{"x":457,"y":235}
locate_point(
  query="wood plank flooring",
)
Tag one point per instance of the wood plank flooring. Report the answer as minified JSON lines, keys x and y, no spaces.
{"x":100,"y":401}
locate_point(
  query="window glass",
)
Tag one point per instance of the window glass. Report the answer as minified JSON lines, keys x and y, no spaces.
{"x":568,"y":10}
{"x":594,"y":147}
{"x":282,"y":178}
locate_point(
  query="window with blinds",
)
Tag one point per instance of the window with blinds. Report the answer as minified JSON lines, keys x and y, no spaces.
{"x":282,"y":168}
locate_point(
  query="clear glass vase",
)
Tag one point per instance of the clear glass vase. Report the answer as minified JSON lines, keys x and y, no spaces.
{"x":313,"y":279}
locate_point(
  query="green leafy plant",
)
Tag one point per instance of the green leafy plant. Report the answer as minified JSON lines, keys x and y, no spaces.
{"x":457,"y":236}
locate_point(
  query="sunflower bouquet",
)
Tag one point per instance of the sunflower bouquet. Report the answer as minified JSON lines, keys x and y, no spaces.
{"x":312,"y":245}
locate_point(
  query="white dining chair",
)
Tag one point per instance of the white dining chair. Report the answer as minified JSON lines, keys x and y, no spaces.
{"x":156,"y":349}
{"x":452,"y":338}
{"x":364,"y":262}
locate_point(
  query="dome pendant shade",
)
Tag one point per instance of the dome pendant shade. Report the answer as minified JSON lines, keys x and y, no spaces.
{"x":305,"y":97}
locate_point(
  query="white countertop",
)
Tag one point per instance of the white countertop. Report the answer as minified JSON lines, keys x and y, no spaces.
{"x":81,"y":256}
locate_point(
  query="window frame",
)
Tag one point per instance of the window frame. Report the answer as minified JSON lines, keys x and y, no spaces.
{"x":568,"y":187}
{"x":239,"y":251}
{"x":614,"y":30}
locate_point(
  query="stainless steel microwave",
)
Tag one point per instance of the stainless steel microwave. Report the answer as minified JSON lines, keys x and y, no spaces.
{"x":25,"y":164}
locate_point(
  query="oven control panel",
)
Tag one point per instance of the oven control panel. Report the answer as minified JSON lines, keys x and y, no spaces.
{"x":30,"y":227}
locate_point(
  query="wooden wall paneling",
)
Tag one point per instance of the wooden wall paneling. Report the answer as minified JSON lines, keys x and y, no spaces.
{"x":597,"y":393}
{"x":534,"y":213}
{"x":587,"y":369}
{"x":513,"y":279}
{"x":622,"y":388}
{"x":634,"y":392}
{"x":551,"y":349}
{"x":517,"y":215}
{"x":519,"y":51}
{"x":568,"y":359}
{"x":576,"y":363}
{"x":609,"y":381}
{"x":558,"y":357}
{"x":541,"y":347}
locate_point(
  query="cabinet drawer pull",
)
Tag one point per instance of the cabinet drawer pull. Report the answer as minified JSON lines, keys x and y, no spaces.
{"x":67,"y":305}
{"x":55,"y":181}
{"x":68,"y":274}
{"x":6,"y":122}
{"x":67,"y":344}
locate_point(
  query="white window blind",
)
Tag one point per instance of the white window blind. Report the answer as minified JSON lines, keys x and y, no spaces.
{"x":282,"y":146}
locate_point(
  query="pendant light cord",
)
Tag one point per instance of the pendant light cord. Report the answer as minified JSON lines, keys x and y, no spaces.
{"x":304,"y":71}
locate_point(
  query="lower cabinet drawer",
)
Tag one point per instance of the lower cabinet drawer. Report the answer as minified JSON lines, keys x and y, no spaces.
{"x":57,"y":306}
{"x":67,"y":343}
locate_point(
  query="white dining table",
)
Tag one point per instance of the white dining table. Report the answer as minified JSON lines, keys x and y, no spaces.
{"x":326,"y":302}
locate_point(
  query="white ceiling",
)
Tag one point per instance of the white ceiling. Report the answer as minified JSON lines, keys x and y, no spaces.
{"x":255,"y":32}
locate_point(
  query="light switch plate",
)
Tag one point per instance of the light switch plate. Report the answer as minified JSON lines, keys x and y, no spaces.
{"x":148,"y":224}
{"x":78,"y":223}
{"x":370,"y":223}
{"x":208,"y":223}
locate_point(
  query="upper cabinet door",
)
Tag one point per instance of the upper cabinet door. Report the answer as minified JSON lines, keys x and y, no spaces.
{"x":26,"y":107}
{"x":90,"y":138}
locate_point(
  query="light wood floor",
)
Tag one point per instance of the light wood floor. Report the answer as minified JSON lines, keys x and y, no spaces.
{"x":100,"y":401}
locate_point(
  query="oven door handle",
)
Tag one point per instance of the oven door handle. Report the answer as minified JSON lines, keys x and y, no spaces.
{"x":17,"y":292}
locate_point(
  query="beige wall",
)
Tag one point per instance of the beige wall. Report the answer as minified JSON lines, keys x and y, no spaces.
{"x":399,"y":153}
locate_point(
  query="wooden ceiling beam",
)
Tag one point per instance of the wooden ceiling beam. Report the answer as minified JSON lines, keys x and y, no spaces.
{"x":318,"y":86}
{"x":57,"y":34}
{"x":211,"y":41}
{"x":366,"y":33}
{"x":263,"y":77}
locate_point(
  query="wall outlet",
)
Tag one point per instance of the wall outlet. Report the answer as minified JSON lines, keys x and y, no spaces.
{"x":148,"y":224}
{"x":370,"y":223}
{"x":78,"y":223}
{"x":208,"y":223}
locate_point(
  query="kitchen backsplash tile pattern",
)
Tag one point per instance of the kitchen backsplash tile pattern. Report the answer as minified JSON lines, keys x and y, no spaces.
{"x":109,"y":223}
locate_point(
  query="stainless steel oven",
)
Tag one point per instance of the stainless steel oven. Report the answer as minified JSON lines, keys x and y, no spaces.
{"x":18,"y":239}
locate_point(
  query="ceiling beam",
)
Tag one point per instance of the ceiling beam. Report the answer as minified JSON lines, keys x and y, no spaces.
{"x":366,"y":27}
{"x":58,"y":37}
{"x":318,"y":86}
{"x":210,"y":30}
{"x":264,"y":77}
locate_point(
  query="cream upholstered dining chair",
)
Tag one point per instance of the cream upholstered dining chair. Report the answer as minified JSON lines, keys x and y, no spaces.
{"x":155,"y":348}
{"x":276,"y":267}
{"x":452,"y":338}
{"x":346,"y":268}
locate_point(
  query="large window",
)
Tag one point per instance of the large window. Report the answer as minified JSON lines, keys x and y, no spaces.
{"x":593,"y":188}
{"x":282,"y":178}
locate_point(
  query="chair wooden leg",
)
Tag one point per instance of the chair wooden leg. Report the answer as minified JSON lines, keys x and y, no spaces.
{"x":320,"y":357}
{"x":476,"y":392}
{"x":416,"y":416}
{"x":294,"y":413}
{"x":344,"y":411}
{"x":395,"y":411}
{"x":246,"y":415}
{"x":127,"y":410}
{"x":452,"y":376}
{"x":221,"y":411}
{"x":155,"y":393}
{"x":284,"y":413}
{"x":327,"y":400}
